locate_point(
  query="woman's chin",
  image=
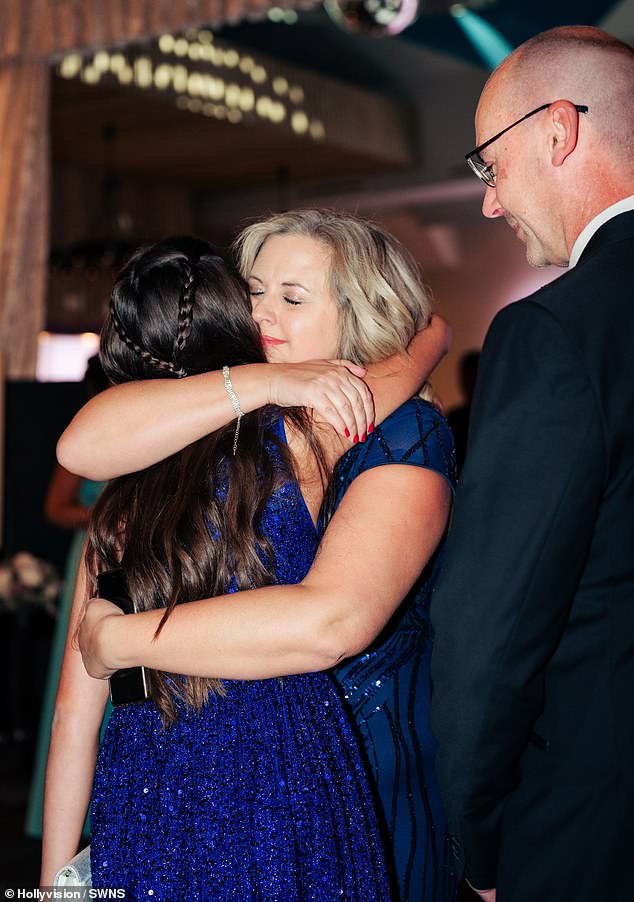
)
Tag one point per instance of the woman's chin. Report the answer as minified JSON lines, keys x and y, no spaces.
{"x":276,"y":354}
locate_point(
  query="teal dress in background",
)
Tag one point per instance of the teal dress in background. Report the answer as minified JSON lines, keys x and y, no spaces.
{"x":88,"y":493}
{"x":387,"y":688}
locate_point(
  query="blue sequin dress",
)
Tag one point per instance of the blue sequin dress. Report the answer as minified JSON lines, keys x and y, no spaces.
{"x":261,"y":795}
{"x":387,"y":688}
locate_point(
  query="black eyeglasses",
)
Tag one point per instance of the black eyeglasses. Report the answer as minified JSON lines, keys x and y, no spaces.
{"x":477,"y":164}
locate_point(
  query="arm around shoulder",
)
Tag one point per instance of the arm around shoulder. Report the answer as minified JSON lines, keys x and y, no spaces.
{"x":131,"y":426}
{"x":366,"y":564}
{"x":401,"y":376}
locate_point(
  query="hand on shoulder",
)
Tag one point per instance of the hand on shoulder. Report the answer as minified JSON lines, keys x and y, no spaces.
{"x":334,"y":389}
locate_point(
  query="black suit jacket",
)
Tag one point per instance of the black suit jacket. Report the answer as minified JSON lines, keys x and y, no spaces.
{"x":533,"y":664}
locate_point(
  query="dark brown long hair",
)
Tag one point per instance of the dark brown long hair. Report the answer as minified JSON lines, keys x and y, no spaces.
{"x":187,"y":527}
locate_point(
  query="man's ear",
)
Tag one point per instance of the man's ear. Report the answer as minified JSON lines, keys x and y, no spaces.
{"x":564,"y":120}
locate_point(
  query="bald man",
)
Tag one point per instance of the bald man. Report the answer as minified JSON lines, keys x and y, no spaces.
{"x":533,"y":666}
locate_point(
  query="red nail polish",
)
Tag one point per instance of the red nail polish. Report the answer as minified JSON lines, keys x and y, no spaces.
{"x":347,"y":432}
{"x":370,"y":428}
{"x":363,"y":437}
{"x":355,"y":439}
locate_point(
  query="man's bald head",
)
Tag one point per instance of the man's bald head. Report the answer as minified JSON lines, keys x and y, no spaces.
{"x":580,"y":63}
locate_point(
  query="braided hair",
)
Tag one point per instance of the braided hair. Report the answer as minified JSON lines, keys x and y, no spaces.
{"x":185,"y":310}
{"x":168,"y":365}
{"x":166,"y":272}
{"x":187,"y":527}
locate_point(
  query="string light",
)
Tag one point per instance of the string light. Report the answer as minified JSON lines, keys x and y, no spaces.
{"x":162,"y":77}
{"x":166,"y":43}
{"x":280,"y":85}
{"x":299,"y":122}
{"x":190,"y":76}
{"x":296,"y":94}
{"x":71,"y":65}
{"x":232,"y":95}
{"x":90,"y":75}
{"x":117,"y":62}
{"x":101,"y":61}
{"x":125,"y":75}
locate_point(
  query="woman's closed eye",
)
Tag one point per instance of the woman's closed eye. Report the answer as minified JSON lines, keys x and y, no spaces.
{"x":259,"y":292}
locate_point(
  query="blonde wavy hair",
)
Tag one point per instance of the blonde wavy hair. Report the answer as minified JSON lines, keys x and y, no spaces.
{"x":374,"y":281}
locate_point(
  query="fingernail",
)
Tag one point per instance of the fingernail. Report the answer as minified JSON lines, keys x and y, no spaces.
{"x":363,"y":437}
{"x":347,"y":431}
{"x":370,"y":428}
{"x":355,"y":439}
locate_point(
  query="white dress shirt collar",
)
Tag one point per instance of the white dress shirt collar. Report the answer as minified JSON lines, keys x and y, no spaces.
{"x":621,"y":206}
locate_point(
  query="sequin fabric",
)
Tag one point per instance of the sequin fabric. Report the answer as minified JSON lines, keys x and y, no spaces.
{"x":387,"y":688}
{"x":262,"y":796}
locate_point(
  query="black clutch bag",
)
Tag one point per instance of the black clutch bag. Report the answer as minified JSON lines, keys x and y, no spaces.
{"x":129,"y":685}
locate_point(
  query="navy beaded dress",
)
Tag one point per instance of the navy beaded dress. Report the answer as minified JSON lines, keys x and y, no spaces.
{"x":261,"y":796}
{"x":387,"y":688}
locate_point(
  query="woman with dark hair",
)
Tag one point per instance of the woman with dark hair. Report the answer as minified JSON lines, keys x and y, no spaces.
{"x":322,"y":284}
{"x":208,"y":790}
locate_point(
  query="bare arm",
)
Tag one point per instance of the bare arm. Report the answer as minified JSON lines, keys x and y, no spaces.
{"x":62,"y":506}
{"x":134,"y":425}
{"x":79,"y":707}
{"x":398,"y":378}
{"x":131,"y":426}
{"x":365,"y":566}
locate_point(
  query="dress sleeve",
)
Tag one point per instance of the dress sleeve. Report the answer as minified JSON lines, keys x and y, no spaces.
{"x":415,"y":434}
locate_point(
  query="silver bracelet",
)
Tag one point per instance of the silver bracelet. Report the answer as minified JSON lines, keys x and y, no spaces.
{"x":234,"y":403}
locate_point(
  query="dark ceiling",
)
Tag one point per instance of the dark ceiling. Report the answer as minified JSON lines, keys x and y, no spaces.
{"x":313,"y":41}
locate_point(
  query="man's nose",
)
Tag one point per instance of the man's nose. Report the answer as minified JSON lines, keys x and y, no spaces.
{"x":490,"y":205}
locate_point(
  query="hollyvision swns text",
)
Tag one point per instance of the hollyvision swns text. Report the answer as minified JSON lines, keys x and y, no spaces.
{"x":64,"y":893}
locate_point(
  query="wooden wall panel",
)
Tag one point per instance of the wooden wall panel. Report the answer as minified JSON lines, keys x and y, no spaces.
{"x":44,"y":28}
{"x":24,"y":211}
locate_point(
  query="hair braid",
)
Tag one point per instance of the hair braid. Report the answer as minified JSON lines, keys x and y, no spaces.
{"x":145,"y":356}
{"x":185,"y":312}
